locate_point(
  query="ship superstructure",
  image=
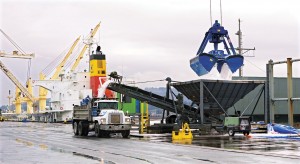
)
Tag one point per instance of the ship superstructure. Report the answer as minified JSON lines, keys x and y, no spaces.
{"x":65,"y":93}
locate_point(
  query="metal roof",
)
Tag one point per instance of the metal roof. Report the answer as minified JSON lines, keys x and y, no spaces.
{"x":227,"y":92}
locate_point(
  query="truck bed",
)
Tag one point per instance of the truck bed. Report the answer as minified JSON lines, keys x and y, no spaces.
{"x":82,"y":113}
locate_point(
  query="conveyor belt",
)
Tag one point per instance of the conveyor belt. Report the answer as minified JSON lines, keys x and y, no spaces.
{"x":150,"y":98}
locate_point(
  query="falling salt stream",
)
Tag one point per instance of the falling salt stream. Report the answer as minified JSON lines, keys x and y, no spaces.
{"x":225,"y":74}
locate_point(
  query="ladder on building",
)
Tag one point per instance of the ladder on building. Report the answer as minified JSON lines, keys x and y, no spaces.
{"x":144,"y":119}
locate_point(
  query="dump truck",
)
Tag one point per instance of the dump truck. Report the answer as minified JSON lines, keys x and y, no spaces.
{"x":102,"y":116}
{"x":237,"y":124}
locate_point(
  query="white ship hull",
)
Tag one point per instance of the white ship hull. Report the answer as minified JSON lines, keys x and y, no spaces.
{"x":65,"y":93}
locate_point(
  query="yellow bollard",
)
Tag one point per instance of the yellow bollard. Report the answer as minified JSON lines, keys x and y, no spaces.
{"x":183,"y":133}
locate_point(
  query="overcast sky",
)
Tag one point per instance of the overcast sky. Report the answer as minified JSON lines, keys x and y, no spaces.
{"x":147,"y":40}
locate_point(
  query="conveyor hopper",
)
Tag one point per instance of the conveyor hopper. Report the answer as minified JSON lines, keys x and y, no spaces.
{"x":226,"y":92}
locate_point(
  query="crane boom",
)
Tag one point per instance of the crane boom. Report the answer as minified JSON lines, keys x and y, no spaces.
{"x":16,"y":81}
{"x":93,"y":32}
{"x":16,"y":54}
{"x":79,"y":58}
{"x":62,"y":63}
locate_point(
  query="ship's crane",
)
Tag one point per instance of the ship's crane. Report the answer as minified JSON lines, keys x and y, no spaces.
{"x":42,"y":90}
{"x":63,"y":62}
{"x":80,"y":56}
{"x":15,"y":80}
{"x":26,"y":91}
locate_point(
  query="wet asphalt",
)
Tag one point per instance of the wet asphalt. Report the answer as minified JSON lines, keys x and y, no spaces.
{"x":55,"y":143}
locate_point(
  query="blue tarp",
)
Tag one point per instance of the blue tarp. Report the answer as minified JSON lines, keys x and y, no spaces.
{"x":282,"y":129}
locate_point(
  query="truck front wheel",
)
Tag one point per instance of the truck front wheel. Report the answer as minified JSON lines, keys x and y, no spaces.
{"x":126,"y":133}
{"x":75,"y":128}
{"x":97,"y":130}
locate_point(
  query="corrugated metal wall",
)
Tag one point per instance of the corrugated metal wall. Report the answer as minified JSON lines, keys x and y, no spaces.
{"x":280,"y":89}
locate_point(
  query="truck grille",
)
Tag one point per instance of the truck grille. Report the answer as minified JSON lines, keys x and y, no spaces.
{"x":115,"y":119}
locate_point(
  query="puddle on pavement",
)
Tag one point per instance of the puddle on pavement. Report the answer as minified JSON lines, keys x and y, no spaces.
{"x":101,"y":160}
{"x":235,"y":143}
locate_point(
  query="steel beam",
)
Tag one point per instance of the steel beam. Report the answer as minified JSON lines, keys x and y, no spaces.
{"x":295,"y":60}
{"x":290,"y":92}
{"x":201,"y":104}
{"x":270,"y":93}
{"x":280,"y":99}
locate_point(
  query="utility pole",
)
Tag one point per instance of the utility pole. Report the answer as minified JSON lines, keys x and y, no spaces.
{"x":239,"y":33}
{"x":240,"y":48}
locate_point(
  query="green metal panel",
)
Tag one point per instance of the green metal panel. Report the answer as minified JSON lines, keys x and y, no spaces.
{"x":129,"y":107}
{"x":231,"y":121}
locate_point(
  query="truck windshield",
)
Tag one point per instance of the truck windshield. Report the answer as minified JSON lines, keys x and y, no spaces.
{"x":108,"y":105}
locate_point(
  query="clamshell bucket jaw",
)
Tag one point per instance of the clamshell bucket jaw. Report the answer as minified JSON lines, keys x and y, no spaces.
{"x":202,"y":64}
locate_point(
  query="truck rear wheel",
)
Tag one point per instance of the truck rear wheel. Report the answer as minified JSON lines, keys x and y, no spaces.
{"x":85,"y":126}
{"x":126,"y":133}
{"x":75,"y":128}
{"x":82,"y":129}
{"x":246,"y":133}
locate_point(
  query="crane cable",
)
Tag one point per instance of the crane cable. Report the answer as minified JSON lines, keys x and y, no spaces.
{"x":255,"y":65}
{"x":28,"y":68}
{"x":14,"y":43}
{"x":211,"y":12}
{"x":74,"y":56}
{"x":221,"y":11}
{"x":51,"y":66}
{"x":150,"y":81}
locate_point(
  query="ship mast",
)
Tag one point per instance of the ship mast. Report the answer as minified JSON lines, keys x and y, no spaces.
{"x":240,"y":48}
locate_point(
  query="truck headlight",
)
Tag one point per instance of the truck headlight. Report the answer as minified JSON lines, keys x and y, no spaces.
{"x":127,"y":120}
{"x":103,"y":120}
